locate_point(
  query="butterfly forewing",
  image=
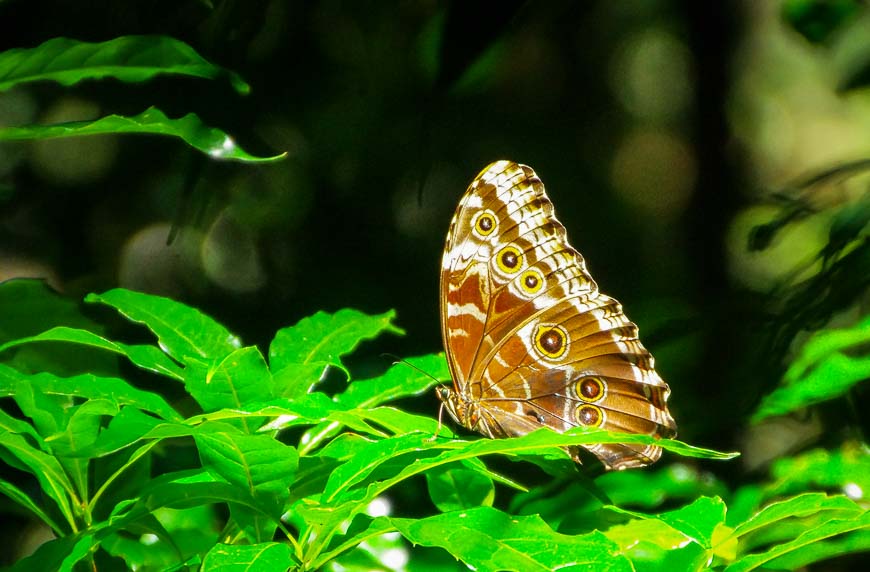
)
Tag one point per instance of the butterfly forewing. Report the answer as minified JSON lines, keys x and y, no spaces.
{"x":529,"y":338}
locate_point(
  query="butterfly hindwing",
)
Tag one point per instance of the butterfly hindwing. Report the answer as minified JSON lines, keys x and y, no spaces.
{"x":530,"y":339}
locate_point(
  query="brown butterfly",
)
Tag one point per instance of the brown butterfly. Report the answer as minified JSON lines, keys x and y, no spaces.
{"x":529,"y":338}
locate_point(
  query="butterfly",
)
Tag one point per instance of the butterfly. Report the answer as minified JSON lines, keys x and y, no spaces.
{"x":529,"y":338}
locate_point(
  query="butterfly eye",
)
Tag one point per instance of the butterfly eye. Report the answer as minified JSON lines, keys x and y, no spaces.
{"x":551,"y":341}
{"x":590,"y":388}
{"x":484,"y":223}
{"x":589,"y":415}
{"x":531,"y":281}
{"x":509,"y":259}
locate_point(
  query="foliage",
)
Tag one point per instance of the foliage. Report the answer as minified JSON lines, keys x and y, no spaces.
{"x":128,"y":59}
{"x":298,"y":470}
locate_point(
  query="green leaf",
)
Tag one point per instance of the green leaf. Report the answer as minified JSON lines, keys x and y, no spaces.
{"x":842,"y":470}
{"x":824,"y":370}
{"x":86,"y":386}
{"x":164,"y":540}
{"x":454,"y":487}
{"x":255,"y":463}
{"x":407,"y":378}
{"x":128,"y":427}
{"x":803,"y":556}
{"x":47,"y":409}
{"x":572,"y":505}
{"x":651,"y":488}
{"x":60,"y":554}
{"x":369,"y":458}
{"x":54,"y":483}
{"x":18,"y":496}
{"x":299,"y":354}
{"x":395,"y":420}
{"x":182,"y":331}
{"x":364,"y":547}
{"x":80,"y":432}
{"x":541,"y":440}
{"x":147,"y":357}
{"x":488,"y":539}
{"x":189,"y":128}
{"x":831,"y":528}
{"x":680,"y":539}
{"x":190,"y":489}
{"x":344,"y":447}
{"x":651,"y":544}
{"x":127,"y":58}
{"x":235,"y":381}
{"x":698,"y":520}
{"x":30,"y":307}
{"x":265,"y":557}
{"x":19,"y":426}
{"x":798,"y":506}
{"x":416,"y":375}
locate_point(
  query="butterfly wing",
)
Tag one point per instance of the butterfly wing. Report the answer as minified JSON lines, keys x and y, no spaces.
{"x":530,"y":339}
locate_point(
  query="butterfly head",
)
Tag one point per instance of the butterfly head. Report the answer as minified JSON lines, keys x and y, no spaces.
{"x":461,"y":410}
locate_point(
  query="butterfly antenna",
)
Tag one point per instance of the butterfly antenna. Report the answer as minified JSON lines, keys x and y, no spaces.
{"x":397,"y":360}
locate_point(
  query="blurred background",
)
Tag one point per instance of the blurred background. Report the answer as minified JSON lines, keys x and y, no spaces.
{"x":669,"y":134}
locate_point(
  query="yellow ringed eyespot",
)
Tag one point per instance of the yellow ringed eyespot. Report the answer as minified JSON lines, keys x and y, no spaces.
{"x":509,"y":259}
{"x":590,"y":389}
{"x":551,"y":341}
{"x":484,"y":223}
{"x":531,"y":281}
{"x":589,"y":415}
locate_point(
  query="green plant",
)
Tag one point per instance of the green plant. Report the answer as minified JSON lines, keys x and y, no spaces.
{"x":265,"y":471}
{"x":129,"y":59}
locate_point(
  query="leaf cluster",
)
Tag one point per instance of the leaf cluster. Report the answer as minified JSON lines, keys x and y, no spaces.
{"x":283,"y":476}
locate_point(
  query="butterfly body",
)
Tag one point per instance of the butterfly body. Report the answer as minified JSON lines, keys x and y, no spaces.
{"x":530,"y":339}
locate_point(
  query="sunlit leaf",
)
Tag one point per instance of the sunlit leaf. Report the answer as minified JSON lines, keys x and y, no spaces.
{"x":234,"y":381}
{"x":265,"y":557}
{"x":829,"y":529}
{"x":652,"y":487}
{"x":53,"y":481}
{"x":455,"y":487}
{"x":803,"y":556}
{"x":825,"y":369}
{"x":299,"y":354}
{"x":182,"y":331}
{"x":846,"y":470}
{"x":488,"y":539}
{"x":798,"y":506}
{"x":31,"y":307}
{"x":189,"y":128}
{"x":86,"y":386}
{"x":406,"y":378}
{"x":257,"y":464}
{"x":126,"y":58}
{"x":144,"y":356}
